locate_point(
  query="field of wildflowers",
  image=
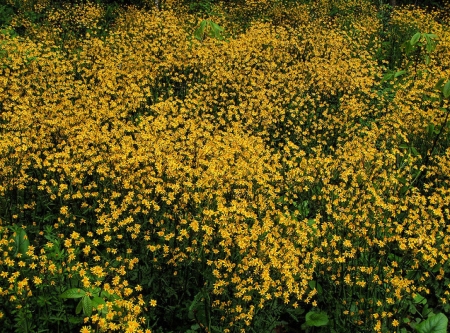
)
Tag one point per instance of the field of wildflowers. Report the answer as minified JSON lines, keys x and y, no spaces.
{"x":228,"y":166}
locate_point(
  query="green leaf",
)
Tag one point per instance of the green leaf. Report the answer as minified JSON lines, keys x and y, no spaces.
{"x":402,"y":180}
{"x":215,"y":26}
{"x":419,"y":299}
{"x":427,"y":311}
{"x":315,"y":285}
{"x":446,"y":89}
{"x":412,"y":310}
{"x":22,"y":242}
{"x":215,"y":30}
{"x":79,"y":307}
{"x":73,"y":293}
{"x":200,"y":30}
{"x":399,"y":73}
{"x":312,"y":224}
{"x":434,"y":324}
{"x":403,"y":190}
{"x":415,"y":39}
{"x":439,"y":84}
{"x":430,"y":44}
{"x":430,"y":129}
{"x":109,"y":297}
{"x":96,"y":302}
{"x":316,"y":319}
{"x":387,"y":77}
{"x":195,"y":305}
{"x":87,"y":306}
{"x":408,"y":49}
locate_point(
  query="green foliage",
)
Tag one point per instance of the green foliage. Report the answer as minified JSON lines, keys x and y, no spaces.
{"x":420,"y":44}
{"x":73,"y":293}
{"x":6,"y":15}
{"x":316,"y":319}
{"x":201,"y":6}
{"x":21,"y":242}
{"x":434,"y":324}
{"x":446,"y":90}
{"x":210,"y":29}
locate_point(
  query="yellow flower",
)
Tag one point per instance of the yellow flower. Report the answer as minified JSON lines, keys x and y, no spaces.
{"x":194,"y":225}
{"x":37,"y":280}
{"x":85,"y":329}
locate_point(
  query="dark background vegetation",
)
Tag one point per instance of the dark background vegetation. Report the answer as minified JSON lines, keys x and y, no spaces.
{"x":8,"y":10}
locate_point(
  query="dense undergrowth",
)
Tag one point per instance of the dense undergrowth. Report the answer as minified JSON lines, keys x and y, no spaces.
{"x":257,"y":166}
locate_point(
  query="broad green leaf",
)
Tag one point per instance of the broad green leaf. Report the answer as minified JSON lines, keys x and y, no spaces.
{"x":195,"y":304}
{"x":439,"y":84}
{"x":215,"y":30}
{"x":96,"y":302}
{"x":73,"y":293}
{"x":200,"y":30}
{"x":430,"y":129}
{"x":446,"y":89}
{"x":109,"y":296}
{"x":430,"y":44}
{"x":414,"y":151}
{"x":415,"y":39}
{"x":408,"y":49}
{"x":215,"y":26}
{"x":316,"y":319}
{"x":426,"y":311}
{"x":399,"y":73}
{"x":21,"y":241}
{"x":434,"y":324}
{"x":312,"y":224}
{"x":315,"y":285}
{"x":79,"y":307}
{"x":87,"y":306}
{"x":387,"y":77}
{"x":419,"y":299}
{"x":404,"y":146}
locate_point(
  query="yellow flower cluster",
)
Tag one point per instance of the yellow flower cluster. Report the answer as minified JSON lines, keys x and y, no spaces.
{"x":269,"y":160}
